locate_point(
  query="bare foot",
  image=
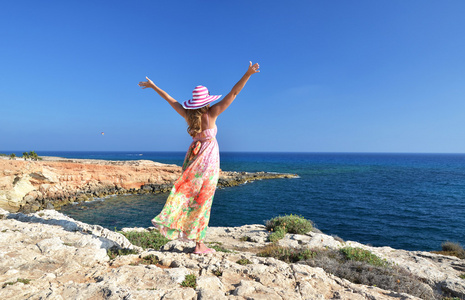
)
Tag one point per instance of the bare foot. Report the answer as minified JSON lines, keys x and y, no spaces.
{"x":201,"y":248}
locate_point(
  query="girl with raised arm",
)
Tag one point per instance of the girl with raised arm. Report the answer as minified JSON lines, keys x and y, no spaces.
{"x":187,"y":210}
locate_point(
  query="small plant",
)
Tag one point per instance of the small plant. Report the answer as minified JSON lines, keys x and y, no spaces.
{"x":150,"y":259}
{"x":359,"y":254}
{"x":218,"y":248}
{"x":217,"y":272}
{"x":243,"y":261}
{"x":462,"y":276}
{"x":152,"y":239}
{"x":451,"y":246}
{"x":452,"y":249}
{"x":114,"y":252}
{"x":287,"y":224}
{"x":22,"y":280}
{"x":190,"y":281}
{"x":8,"y":283}
{"x":276,"y":235}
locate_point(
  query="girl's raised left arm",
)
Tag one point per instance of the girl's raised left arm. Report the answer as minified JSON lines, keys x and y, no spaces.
{"x":174,"y":104}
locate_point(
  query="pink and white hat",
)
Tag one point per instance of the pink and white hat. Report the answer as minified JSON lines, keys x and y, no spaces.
{"x":200,"y":98}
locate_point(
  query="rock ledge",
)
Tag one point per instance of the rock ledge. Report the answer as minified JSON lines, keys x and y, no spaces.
{"x":66,"y":259}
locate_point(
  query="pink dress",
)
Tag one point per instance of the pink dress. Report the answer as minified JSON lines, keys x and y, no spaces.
{"x":187,"y":210}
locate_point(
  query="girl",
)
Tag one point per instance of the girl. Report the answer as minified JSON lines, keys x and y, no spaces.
{"x":187,"y":210}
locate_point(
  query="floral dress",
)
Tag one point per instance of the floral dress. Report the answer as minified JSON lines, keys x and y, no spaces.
{"x":187,"y":210}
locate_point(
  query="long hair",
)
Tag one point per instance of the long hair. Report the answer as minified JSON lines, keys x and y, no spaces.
{"x":194,"y":119}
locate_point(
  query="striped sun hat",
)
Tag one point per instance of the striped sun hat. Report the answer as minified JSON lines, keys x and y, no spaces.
{"x":200,"y":98}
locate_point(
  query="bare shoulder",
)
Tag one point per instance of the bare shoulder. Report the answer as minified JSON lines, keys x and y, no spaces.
{"x":212,"y":117}
{"x":215,"y":110}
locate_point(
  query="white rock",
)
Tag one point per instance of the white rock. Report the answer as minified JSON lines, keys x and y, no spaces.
{"x":180,"y":294}
{"x":50,"y":245}
{"x":178,"y":274}
{"x":210,"y":283}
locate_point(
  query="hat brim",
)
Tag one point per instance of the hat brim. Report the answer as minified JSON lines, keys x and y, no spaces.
{"x":195,"y":104}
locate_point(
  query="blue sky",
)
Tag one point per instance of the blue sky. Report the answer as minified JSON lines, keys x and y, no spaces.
{"x":336,"y":76}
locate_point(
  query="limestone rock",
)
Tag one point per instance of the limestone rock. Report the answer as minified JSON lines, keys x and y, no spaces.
{"x":47,"y":255}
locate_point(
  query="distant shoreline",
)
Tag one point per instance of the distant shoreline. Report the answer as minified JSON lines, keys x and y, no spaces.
{"x":52,"y":182}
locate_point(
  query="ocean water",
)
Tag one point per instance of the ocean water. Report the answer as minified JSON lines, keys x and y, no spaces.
{"x":405,"y":201}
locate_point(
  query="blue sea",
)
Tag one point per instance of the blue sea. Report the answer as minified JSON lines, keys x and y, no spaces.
{"x":405,"y":201}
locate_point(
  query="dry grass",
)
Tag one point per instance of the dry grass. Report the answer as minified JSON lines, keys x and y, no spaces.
{"x":356,"y":265}
{"x":451,"y":249}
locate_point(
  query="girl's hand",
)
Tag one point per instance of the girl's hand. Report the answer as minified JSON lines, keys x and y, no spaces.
{"x":253,"y":68}
{"x":147,"y":84}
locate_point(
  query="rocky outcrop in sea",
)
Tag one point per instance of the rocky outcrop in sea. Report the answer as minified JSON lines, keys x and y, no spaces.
{"x":29,"y":186}
{"x":47,"y":255}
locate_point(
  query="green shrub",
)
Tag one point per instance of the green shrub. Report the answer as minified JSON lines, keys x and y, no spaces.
{"x":291,"y":223}
{"x":289,"y":255}
{"x":359,"y":254}
{"x":243,"y":261}
{"x":217,"y":273}
{"x":276,"y":235}
{"x":462,"y":276}
{"x":190,"y":281}
{"x":152,"y":239}
{"x":150,"y":259}
{"x":114,"y":252}
{"x":287,"y":224}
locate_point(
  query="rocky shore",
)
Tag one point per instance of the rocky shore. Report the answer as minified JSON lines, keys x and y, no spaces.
{"x":47,"y":255}
{"x":29,"y":186}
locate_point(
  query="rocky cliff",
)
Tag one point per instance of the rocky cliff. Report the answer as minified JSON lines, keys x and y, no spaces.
{"x":46,"y":255}
{"x":32,"y":185}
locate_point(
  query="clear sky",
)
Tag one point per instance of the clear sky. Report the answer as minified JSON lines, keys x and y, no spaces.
{"x":336,"y":76}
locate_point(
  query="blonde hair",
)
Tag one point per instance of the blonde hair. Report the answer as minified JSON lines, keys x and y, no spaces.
{"x":194,"y":119}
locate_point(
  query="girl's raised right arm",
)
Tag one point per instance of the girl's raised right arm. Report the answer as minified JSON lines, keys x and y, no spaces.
{"x":174,"y":104}
{"x":221,"y":106}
